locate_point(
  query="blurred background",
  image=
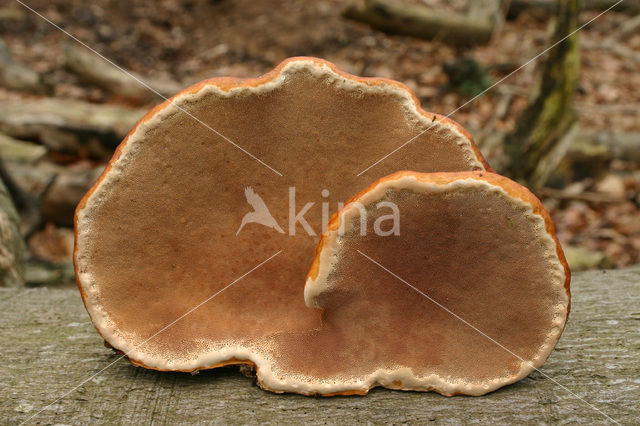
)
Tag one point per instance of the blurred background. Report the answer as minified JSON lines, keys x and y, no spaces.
{"x":566,"y":125}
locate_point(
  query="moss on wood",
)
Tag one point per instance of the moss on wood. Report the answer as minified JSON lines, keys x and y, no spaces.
{"x":550,"y":115}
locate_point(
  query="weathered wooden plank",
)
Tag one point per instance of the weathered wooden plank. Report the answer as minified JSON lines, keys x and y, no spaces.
{"x":49,"y":347}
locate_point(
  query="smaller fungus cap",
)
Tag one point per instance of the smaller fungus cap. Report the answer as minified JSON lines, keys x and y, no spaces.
{"x":470,"y":294}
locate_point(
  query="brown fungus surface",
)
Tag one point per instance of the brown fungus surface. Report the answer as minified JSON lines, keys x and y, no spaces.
{"x":165,"y":227}
{"x":470,"y":295}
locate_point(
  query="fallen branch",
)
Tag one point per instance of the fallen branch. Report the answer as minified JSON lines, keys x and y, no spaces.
{"x":61,"y":198}
{"x":27,"y":204}
{"x":630,"y":108}
{"x":615,"y":48}
{"x":17,"y":76}
{"x":627,"y":29}
{"x":94,"y":70}
{"x":625,"y":53}
{"x":605,"y":146}
{"x":79,"y":128}
{"x":398,"y":17}
{"x":20,"y":151}
{"x":590,"y":197}
{"x":590,"y":153}
{"x":628,"y":6}
{"x":546,"y":8}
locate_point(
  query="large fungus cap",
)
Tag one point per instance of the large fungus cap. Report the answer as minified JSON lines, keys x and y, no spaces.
{"x":471,"y":293}
{"x":165,"y":227}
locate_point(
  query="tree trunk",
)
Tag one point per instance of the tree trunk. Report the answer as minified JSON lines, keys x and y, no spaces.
{"x":538,"y":142}
{"x":12,"y":247}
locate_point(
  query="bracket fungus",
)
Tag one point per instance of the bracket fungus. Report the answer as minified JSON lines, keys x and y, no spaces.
{"x":471,"y":295}
{"x":193,"y":246}
{"x":162,"y":229}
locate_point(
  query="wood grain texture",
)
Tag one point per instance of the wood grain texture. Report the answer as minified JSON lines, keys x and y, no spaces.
{"x":50,"y":347}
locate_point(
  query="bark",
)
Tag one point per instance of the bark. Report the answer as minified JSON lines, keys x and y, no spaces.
{"x":12,"y":247}
{"x":50,"y":347}
{"x":538,"y":141}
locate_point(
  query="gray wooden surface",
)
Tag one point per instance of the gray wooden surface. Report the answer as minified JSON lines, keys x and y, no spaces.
{"x":49,"y":347}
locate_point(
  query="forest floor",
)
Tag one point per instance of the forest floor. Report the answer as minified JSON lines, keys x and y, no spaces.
{"x":190,"y":40}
